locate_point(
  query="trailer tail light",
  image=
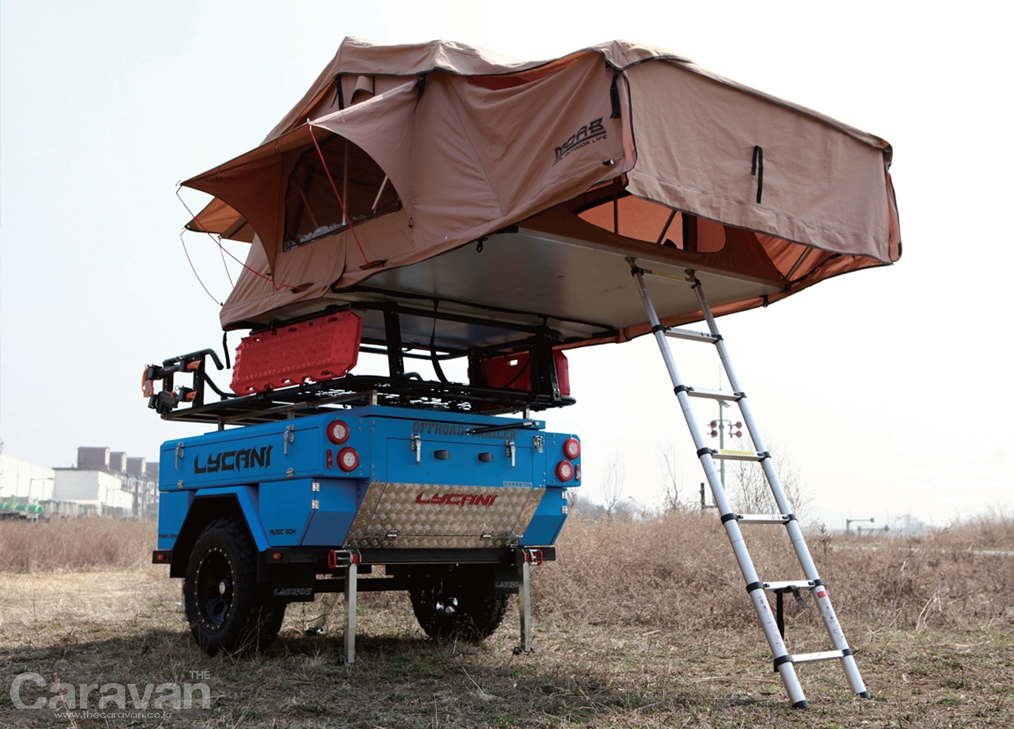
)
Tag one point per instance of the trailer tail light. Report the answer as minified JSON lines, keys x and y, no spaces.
{"x":572,"y":448}
{"x":564,"y":471}
{"x":348,"y":459}
{"x":337,"y":432}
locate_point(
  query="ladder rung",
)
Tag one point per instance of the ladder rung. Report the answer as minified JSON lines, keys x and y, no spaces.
{"x":673,"y":276}
{"x":715,"y":394}
{"x":762,"y":518}
{"x":727,"y":455}
{"x":811,"y":657}
{"x":788,"y":585}
{"x":691,"y":335}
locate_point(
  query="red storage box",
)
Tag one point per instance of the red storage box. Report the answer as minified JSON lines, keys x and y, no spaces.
{"x":500,"y":372}
{"x":316,"y":350}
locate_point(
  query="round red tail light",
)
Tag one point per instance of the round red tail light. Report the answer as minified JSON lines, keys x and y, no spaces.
{"x":572,"y":448}
{"x":564,"y":471}
{"x":348,"y":459}
{"x":337,"y":432}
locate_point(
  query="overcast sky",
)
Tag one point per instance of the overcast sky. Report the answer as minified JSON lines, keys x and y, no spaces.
{"x":886,"y":389}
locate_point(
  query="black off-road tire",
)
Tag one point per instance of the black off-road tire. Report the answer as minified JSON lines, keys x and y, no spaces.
{"x":228,"y":609}
{"x":458,"y":603}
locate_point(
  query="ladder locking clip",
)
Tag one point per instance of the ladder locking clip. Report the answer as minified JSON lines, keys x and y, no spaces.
{"x":799,"y":598}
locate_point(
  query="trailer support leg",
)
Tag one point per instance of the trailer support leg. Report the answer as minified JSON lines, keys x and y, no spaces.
{"x":525,"y":607}
{"x":351,"y":577}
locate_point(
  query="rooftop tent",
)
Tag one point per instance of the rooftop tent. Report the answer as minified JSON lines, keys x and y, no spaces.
{"x":491,"y":188}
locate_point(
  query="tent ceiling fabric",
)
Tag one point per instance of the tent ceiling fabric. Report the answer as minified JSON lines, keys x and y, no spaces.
{"x":613,"y":151}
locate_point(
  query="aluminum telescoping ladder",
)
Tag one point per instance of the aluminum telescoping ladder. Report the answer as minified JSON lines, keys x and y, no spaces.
{"x":784,"y":661}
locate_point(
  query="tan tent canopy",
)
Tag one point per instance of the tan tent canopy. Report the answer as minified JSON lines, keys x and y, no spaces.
{"x":514,"y":191}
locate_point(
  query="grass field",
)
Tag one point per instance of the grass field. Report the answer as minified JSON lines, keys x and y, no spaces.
{"x":639,"y":624}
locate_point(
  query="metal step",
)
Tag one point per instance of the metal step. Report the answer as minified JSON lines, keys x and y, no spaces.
{"x":715,"y":394}
{"x":763,"y":518}
{"x":789,"y":585}
{"x":820,"y":656}
{"x":691,"y":335}
{"x":728,"y":455}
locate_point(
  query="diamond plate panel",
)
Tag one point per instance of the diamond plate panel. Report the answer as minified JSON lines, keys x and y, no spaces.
{"x":426,"y":516}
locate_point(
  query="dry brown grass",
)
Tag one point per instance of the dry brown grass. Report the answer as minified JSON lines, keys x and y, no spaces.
{"x":677,"y":570}
{"x":639,"y":624}
{"x":75,"y":544}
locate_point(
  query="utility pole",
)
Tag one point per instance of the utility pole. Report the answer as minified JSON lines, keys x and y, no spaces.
{"x":848,"y":523}
{"x":718,"y":428}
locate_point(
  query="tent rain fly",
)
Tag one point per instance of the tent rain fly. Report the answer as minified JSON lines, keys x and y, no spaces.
{"x":502,"y":191}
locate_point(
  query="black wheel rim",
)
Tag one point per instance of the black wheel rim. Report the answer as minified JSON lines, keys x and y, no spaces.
{"x":446,"y":606}
{"x":214,"y":588}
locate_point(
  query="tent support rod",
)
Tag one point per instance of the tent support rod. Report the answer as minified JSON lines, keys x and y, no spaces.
{"x":309,"y":210}
{"x":345,"y":182}
{"x":380,"y":192}
{"x":665,"y":228}
{"x":798,"y":263}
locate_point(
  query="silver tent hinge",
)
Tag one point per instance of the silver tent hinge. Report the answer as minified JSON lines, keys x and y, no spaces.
{"x":179,"y":454}
{"x":416,"y":445}
{"x":511,"y":449}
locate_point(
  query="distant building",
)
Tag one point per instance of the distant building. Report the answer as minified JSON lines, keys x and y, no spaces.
{"x":93,"y":459}
{"x":111,"y":483}
{"x":24,"y":483}
{"x":97,"y":491}
{"x":102,"y":484}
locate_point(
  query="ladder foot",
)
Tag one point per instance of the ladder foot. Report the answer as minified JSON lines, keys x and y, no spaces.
{"x":801,"y":705}
{"x":864,"y":695}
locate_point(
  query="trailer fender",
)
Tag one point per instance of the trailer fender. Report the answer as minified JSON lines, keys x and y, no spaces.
{"x":239,"y":501}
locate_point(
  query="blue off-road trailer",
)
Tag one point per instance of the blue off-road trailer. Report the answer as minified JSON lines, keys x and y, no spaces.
{"x":302,"y":489}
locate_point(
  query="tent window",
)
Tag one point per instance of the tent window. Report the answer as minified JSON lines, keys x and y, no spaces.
{"x":311,"y":209}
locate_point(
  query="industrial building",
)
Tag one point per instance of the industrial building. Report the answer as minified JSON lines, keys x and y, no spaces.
{"x":103,"y":483}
